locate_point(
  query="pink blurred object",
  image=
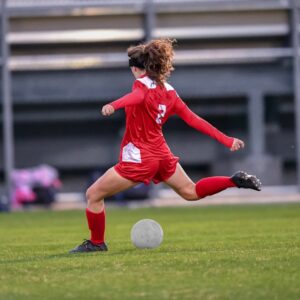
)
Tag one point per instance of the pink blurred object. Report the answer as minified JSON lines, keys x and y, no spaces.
{"x":25,"y":181}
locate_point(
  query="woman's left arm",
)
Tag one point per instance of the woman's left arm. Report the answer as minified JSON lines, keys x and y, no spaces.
{"x":205,"y":127}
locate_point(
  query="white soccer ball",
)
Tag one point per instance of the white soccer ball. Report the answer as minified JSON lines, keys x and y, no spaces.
{"x":146,"y":233}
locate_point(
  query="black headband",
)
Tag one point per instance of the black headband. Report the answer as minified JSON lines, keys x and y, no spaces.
{"x":134,"y":62}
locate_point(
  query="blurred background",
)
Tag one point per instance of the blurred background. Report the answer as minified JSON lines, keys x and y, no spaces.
{"x":237,"y":65}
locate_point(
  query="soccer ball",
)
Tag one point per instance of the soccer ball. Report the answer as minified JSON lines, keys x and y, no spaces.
{"x":147,"y":234}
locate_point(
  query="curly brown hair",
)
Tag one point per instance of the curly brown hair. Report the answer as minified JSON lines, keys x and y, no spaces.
{"x":156,"y":56}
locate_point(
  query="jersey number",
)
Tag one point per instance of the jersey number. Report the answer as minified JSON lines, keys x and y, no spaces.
{"x":161,"y":113}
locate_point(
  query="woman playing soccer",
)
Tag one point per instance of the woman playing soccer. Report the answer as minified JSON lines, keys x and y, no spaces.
{"x":145,"y":155}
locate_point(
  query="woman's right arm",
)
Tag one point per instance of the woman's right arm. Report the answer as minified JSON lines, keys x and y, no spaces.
{"x":135,"y":97}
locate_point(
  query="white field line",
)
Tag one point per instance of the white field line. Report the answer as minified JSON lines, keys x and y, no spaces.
{"x":166,"y":197}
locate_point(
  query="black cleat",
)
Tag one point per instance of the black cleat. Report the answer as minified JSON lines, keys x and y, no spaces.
{"x":243,"y":180}
{"x":88,"y":246}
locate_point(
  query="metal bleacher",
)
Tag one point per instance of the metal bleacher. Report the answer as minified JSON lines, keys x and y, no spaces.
{"x":248,"y":31}
{"x":234,"y":62}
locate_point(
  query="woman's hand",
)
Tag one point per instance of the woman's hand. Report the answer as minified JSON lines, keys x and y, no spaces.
{"x":107,"y":110}
{"x":237,"y":145}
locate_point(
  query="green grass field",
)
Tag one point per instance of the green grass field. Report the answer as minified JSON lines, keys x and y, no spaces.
{"x":225,"y":252}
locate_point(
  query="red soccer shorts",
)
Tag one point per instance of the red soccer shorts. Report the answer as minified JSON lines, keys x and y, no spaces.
{"x":149,"y":170}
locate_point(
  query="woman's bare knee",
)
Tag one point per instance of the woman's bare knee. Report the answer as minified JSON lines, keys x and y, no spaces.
{"x":189,"y":197}
{"x":93,"y":196}
{"x":189,"y":193}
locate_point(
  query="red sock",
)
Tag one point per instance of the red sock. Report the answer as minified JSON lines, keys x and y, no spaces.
{"x":212,"y":185}
{"x":96,"y":222}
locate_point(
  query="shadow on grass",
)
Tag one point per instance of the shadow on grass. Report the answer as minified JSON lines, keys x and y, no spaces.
{"x":64,"y":255}
{"x":121,"y":252}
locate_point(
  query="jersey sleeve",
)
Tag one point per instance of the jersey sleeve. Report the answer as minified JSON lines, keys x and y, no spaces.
{"x":135,"y":97}
{"x":193,"y":120}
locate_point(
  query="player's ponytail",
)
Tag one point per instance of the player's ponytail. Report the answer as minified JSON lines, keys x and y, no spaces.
{"x":155,"y":57}
{"x":158,"y":59}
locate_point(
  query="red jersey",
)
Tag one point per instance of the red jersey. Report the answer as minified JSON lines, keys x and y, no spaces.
{"x":147,"y":108}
